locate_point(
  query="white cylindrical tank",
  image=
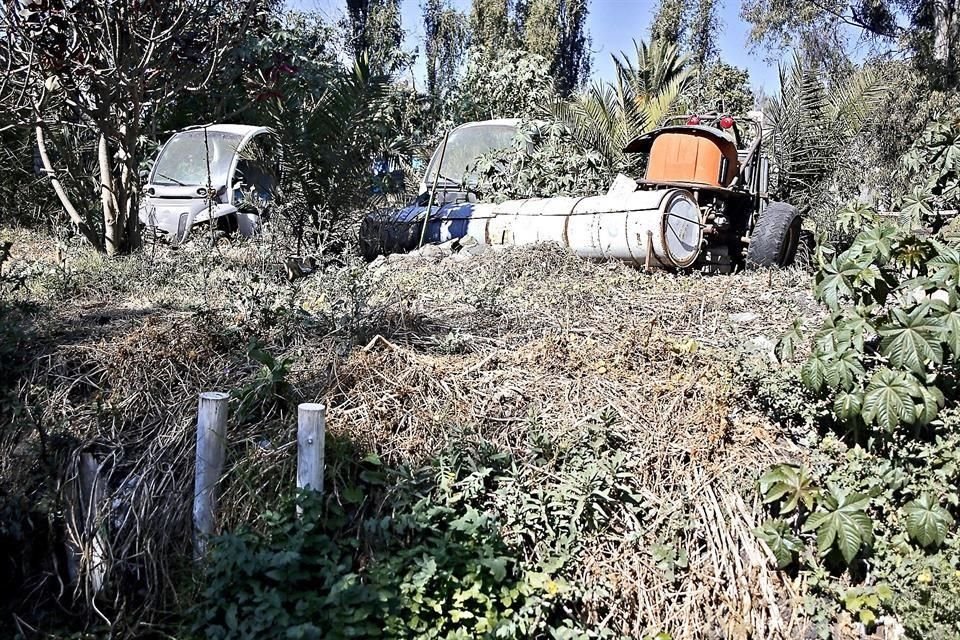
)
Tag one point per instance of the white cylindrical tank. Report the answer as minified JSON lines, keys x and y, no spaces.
{"x":664,"y":223}
{"x":659,"y":228}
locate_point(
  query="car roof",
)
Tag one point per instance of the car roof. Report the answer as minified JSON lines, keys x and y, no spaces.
{"x":242,"y":130}
{"x":505,"y":122}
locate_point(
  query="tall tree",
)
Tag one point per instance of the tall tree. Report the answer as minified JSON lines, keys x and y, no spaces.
{"x":648,"y":88}
{"x":112,"y":65}
{"x":374,"y":32}
{"x":830,"y":31}
{"x":444,"y":43}
{"x":539,"y":21}
{"x":357,"y":14}
{"x":384,"y":34}
{"x":704,"y":27}
{"x":669,"y":22}
{"x":572,"y":64}
{"x":491,"y":27}
{"x":556,"y":30}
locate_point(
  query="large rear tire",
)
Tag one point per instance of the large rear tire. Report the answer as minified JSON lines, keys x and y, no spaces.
{"x":775,"y":237}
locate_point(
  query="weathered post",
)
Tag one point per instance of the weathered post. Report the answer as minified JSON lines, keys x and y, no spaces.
{"x":211,"y":451}
{"x":311,"y":426}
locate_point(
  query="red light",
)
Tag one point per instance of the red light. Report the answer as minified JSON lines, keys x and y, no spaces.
{"x":693,"y":120}
{"x":726,"y":122}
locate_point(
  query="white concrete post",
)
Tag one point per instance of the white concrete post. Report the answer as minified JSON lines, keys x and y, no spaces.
{"x":311,"y":426}
{"x":211,"y":451}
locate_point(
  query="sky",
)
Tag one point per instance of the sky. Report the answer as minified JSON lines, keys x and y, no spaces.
{"x":612,"y":25}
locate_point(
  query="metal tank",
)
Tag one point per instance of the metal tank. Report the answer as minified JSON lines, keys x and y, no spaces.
{"x":647,"y":228}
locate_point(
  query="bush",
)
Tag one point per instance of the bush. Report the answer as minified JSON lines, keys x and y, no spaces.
{"x":883,"y":480}
{"x":432,"y":564}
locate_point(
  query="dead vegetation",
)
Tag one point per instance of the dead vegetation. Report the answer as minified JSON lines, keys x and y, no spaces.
{"x":511,"y":348}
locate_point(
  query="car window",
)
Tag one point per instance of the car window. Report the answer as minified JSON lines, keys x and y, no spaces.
{"x":468,"y":144}
{"x":192,"y":158}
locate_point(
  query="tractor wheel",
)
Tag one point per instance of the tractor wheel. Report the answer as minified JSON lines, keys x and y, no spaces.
{"x":775,"y":237}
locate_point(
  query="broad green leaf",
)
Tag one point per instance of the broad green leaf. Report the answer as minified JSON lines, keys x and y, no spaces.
{"x":788,"y":341}
{"x":876,"y":241}
{"x":790,"y":481}
{"x":842,"y":522}
{"x":927,"y":522}
{"x":948,"y":317}
{"x":945,"y":266}
{"x":781,"y":540}
{"x":911,"y":340}
{"x":931,"y":401}
{"x":888,"y":400}
{"x":832,"y":283}
{"x":815,"y":371}
{"x":847,"y":405}
{"x":916,"y":206}
{"x":849,"y":370}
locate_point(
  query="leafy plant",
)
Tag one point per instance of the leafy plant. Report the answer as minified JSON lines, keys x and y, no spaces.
{"x":927,"y":522}
{"x":790,"y":482}
{"x":781,"y":540}
{"x":841,"y":522}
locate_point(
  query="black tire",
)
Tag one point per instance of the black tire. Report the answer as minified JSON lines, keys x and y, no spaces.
{"x":775,"y":237}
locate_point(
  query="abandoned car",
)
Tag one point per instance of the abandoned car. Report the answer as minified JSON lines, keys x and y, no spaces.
{"x":703,"y":203}
{"x":204,"y":177}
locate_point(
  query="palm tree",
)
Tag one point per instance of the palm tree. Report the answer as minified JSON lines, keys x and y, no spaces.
{"x":646,"y":90}
{"x":811,"y":122}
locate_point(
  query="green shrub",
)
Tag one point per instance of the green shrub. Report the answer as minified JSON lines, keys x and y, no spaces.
{"x":432,"y":564}
{"x":882,"y":483}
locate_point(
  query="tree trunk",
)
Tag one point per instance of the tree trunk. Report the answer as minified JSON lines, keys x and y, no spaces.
{"x":71,"y":210}
{"x":112,"y":223}
{"x":942,"y":17}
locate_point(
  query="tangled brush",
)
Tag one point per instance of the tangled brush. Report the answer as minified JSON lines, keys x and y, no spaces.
{"x":611,"y":391}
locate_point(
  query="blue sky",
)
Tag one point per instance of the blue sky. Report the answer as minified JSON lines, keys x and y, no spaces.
{"x":613,"y":25}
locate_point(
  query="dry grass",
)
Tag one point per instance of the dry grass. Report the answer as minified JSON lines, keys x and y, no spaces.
{"x":502,"y":344}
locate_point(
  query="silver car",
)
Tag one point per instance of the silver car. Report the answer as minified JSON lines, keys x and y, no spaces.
{"x":204,"y":175}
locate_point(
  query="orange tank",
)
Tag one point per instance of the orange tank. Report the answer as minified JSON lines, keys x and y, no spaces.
{"x":692,"y":156}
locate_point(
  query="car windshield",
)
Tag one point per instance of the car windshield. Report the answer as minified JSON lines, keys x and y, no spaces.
{"x":466,"y":146}
{"x":184,"y":160}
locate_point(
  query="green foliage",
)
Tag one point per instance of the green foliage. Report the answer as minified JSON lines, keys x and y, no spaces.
{"x":445,"y":38}
{"x":557,"y":32}
{"x":470,"y":545}
{"x":927,"y":522}
{"x":268,"y":388}
{"x":648,"y":88}
{"x":511,"y":84}
{"x":491,"y":27}
{"x":332,"y":124}
{"x":790,"y":482}
{"x":886,"y":352}
{"x":866,"y":602}
{"x":810,"y":124}
{"x":545,"y":161}
{"x":779,"y":537}
{"x":841,"y":522}
{"x":933,"y":164}
{"x":883,"y":370}
{"x":724,"y":88}
{"x":838,"y":520}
